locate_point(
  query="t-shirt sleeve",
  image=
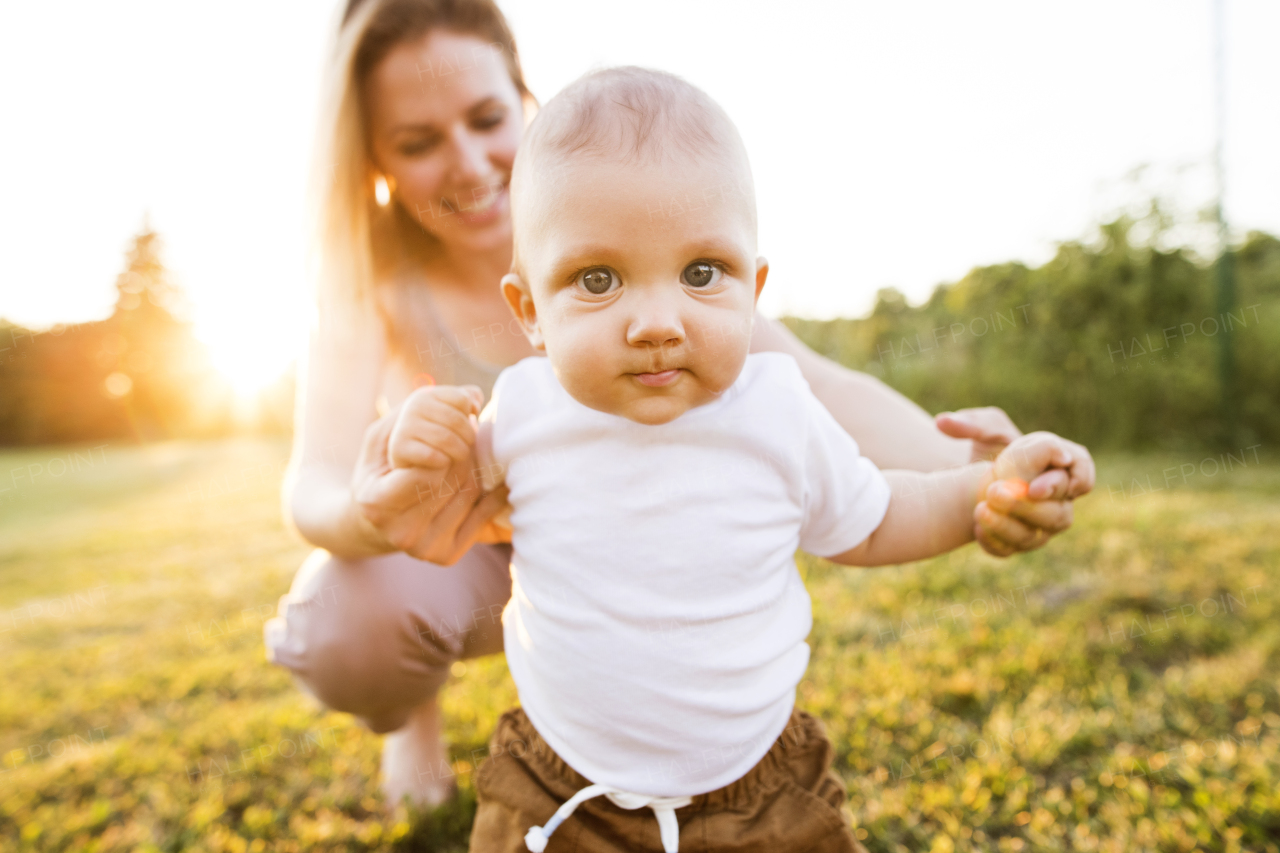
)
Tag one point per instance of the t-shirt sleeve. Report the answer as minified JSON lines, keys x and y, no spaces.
{"x":845,"y":494}
{"x":491,"y":471}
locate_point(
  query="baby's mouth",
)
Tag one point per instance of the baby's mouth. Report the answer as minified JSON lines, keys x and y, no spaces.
{"x":661,"y":379}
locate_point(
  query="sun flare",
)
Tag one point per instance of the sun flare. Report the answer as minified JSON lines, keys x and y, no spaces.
{"x":249,"y":362}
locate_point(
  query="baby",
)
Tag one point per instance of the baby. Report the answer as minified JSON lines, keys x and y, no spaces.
{"x":661,"y":480}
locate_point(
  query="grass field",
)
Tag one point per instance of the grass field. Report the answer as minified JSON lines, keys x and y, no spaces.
{"x":1117,"y":691}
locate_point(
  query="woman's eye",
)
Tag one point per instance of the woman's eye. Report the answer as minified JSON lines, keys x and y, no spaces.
{"x":598,"y":280}
{"x":417,"y":147}
{"x":701,"y":274}
{"x":490,"y":121}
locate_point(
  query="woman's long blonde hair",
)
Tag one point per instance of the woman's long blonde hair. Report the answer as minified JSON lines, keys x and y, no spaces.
{"x":358,"y":241}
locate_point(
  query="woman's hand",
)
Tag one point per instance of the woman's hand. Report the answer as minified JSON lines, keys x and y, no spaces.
{"x":989,"y":428}
{"x":1005,"y":523}
{"x":414,"y":487}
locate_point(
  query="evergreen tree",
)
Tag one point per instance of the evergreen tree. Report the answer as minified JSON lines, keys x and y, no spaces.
{"x":156,"y":367}
{"x":138,"y":375}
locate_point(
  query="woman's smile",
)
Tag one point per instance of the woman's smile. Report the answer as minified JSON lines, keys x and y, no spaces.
{"x":487,"y":208}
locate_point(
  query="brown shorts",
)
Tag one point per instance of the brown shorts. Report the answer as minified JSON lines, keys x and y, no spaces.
{"x":790,"y":801}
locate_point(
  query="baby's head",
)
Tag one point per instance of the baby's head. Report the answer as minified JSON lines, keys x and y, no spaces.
{"x":635,"y":263}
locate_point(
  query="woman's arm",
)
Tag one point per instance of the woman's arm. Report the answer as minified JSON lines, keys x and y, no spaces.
{"x":338,"y":382}
{"x":894,"y":432}
{"x":360,"y":484}
{"x":891,"y":431}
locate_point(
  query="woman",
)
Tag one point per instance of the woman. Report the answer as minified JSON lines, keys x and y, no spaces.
{"x":425,"y":110}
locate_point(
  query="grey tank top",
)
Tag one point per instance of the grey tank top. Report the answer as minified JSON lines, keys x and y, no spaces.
{"x":426,"y":344}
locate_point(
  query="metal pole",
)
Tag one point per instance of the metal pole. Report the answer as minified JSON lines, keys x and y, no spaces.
{"x":1224,"y":269}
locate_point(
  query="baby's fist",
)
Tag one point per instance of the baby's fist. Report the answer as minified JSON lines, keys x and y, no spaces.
{"x":1026,"y":497}
{"x":1031,"y":455}
{"x":435,"y":427}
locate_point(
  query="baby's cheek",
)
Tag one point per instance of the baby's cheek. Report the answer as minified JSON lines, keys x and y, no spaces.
{"x":578,"y":367}
{"x":716,"y":375}
{"x":721,"y":354}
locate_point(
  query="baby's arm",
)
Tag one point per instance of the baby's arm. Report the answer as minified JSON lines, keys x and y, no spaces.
{"x":930,"y":514}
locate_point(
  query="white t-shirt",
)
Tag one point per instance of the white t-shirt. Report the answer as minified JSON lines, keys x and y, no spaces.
{"x":657,"y":623}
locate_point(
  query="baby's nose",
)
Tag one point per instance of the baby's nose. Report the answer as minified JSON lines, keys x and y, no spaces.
{"x":655,"y":322}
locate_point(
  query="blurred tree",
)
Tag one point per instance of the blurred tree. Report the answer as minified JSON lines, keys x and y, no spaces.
{"x":1112,"y":342}
{"x":140,"y":374}
{"x":144,"y":290}
{"x":155,"y":366}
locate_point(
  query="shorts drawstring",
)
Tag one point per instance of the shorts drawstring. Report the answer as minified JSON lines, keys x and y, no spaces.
{"x":664,"y":809}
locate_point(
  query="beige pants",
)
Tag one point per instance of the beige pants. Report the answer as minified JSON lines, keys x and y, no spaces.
{"x":375,"y":637}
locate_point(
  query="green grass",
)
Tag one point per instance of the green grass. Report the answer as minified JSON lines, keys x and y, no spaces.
{"x":1116,"y":691}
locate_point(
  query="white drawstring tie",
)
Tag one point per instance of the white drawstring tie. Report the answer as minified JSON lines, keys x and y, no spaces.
{"x":664,"y":809}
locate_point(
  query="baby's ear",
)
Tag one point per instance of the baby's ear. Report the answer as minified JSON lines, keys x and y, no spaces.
{"x":762,"y":272}
{"x":521,"y":304}
{"x":529,"y":105}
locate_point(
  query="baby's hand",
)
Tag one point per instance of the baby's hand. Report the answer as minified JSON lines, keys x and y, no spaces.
{"x":436,"y":427}
{"x":1029,"y":456}
{"x":1022,"y":493}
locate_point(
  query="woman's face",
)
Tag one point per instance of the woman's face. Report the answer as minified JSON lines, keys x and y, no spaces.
{"x":444,"y":123}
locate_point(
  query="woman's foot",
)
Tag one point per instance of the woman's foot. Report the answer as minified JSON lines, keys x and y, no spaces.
{"x":415,"y":762}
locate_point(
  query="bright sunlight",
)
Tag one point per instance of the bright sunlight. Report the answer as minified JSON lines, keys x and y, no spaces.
{"x":250,"y":353}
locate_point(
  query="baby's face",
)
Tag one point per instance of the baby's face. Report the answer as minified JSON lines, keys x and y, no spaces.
{"x":639,"y":281}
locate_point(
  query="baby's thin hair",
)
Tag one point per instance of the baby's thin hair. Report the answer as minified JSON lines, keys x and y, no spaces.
{"x":633,"y":114}
{"x":634,"y":117}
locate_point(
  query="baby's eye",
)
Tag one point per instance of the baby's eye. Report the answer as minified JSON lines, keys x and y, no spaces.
{"x":700,"y":274}
{"x":598,"y":280}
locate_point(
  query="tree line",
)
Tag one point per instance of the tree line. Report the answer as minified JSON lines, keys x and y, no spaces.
{"x":138,"y":375}
{"x":1114,"y":342}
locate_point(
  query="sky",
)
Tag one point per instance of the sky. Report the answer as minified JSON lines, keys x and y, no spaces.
{"x":893,"y":144}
